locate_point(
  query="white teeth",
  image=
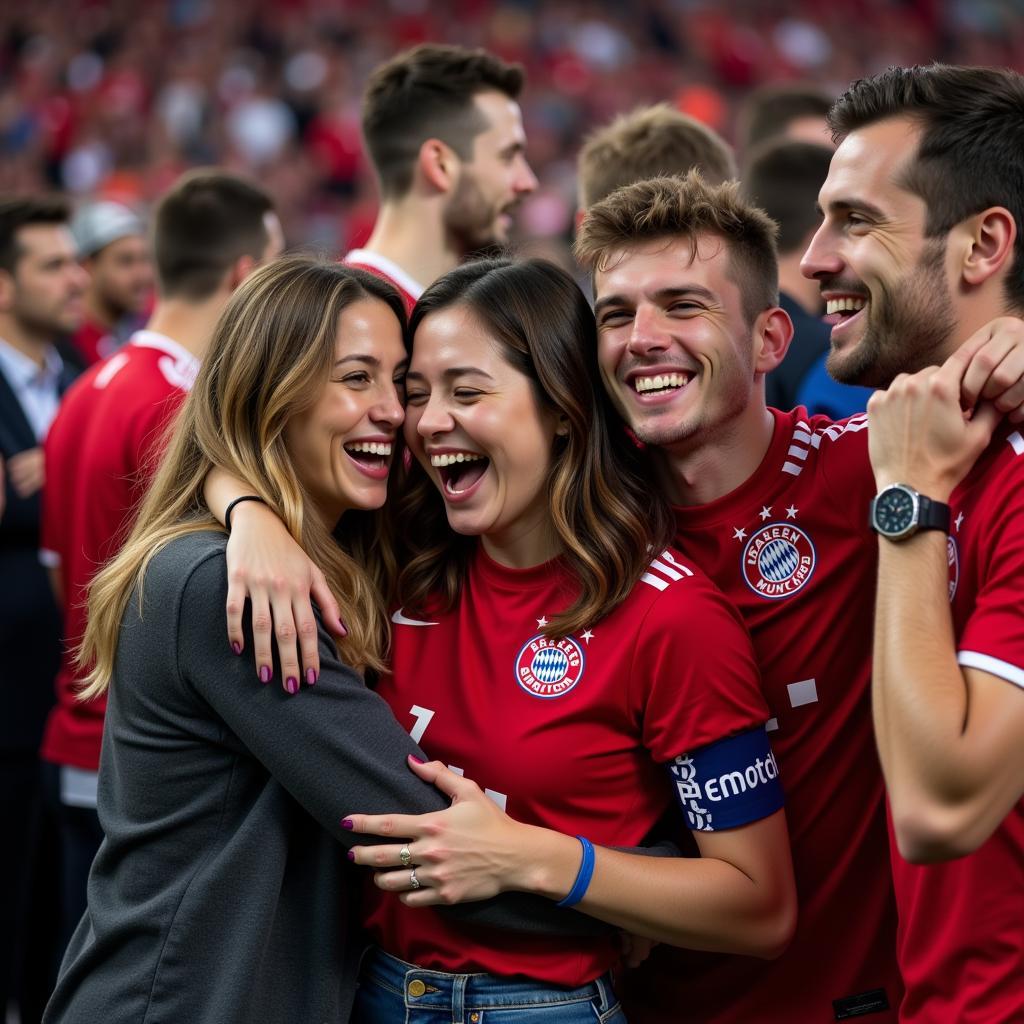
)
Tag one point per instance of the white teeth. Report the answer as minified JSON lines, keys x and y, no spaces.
{"x":440,"y":461}
{"x":370,"y":447}
{"x":660,"y":382}
{"x":847,"y":304}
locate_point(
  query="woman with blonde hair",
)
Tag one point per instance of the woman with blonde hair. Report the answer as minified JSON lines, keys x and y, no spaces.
{"x":549,"y":644}
{"x":220,"y":893}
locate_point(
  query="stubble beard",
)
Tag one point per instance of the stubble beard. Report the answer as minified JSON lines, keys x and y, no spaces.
{"x":908,"y":328}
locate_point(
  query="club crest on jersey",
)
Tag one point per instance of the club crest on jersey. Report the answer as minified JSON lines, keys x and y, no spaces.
{"x":549,"y":668}
{"x":778,"y":560}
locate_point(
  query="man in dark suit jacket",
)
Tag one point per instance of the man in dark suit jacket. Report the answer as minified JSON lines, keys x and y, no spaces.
{"x":42,"y":288}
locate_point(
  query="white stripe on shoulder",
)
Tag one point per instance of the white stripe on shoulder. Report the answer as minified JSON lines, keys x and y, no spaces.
{"x":1016,"y":443}
{"x":114,"y":365}
{"x":994,"y":666}
{"x":665,"y":570}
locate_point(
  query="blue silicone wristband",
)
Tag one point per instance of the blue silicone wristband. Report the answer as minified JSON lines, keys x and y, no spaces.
{"x":583,"y":876}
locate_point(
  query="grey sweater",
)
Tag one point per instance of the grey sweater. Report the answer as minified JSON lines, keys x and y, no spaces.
{"x":221,"y":893}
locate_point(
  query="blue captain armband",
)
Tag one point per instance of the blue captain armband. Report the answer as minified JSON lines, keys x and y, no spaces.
{"x":728,"y":783}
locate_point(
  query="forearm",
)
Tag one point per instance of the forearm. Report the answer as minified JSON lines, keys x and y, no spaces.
{"x":702,"y":903}
{"x":919,"y":695}
{"x":220,"y":489}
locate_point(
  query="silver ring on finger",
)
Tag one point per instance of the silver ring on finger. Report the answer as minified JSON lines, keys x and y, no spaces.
{"x":405,"y":856}
{"x":414,"y":882}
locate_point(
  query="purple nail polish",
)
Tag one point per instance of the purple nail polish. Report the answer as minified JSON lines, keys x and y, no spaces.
{"x":236,"y":647}
{"x":350,"y":855}
{"x":346,"y":823}
{"x":291,"y":684}
{"x":415,"y":759}
{"x":264,"y":673}
{"x":310,"y":676}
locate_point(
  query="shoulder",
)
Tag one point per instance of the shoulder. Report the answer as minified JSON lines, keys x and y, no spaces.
{"x":192,"y":567}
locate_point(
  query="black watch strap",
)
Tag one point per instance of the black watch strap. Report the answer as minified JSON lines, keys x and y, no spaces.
{"x":932,"y":515}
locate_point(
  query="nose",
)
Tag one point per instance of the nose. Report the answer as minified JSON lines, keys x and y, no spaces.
{"x":526,"y":181}
{"x":647,"y":337}
{"x":821,"y":258}
{"x":434,"y":418}
{"x":389,"y":411}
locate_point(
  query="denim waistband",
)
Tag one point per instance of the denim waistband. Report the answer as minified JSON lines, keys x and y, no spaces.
{"x":424,"y":988}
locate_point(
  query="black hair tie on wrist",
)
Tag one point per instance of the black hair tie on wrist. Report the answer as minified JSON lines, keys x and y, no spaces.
{"x":232,"y":504}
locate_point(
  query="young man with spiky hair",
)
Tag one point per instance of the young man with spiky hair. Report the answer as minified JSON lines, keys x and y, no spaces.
{"x":445,"y":135}
{"x":922,"y":242}
{"x":645,"y":143}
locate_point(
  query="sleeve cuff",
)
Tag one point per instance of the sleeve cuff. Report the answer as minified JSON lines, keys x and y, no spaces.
{"x":994,"y":666}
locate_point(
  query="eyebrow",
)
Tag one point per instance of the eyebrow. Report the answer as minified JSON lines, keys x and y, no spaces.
{"x":662,"y":296}
{"x":844,"y":205}
{"x":367,"y":360}
{"x":453,"y":372}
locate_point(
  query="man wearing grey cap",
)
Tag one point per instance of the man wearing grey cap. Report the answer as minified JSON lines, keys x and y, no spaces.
{"x":113,"y":248}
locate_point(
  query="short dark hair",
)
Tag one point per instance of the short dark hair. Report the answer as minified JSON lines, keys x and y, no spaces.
{"x":769,"y":110}
{"x":207,"y":221}
{"x":784,"y":179}
{"x":21,"y":212}
{"x":427,"y":92}
{"x":646,"y":143}
{"x":671,"y":208}
{"x":971,"y":154}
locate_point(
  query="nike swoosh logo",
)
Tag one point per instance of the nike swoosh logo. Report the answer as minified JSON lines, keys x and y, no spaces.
{"x":401,"y":620}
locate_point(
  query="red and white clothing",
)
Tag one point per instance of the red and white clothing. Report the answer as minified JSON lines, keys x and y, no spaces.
{"x":573,"y":735}
{"x":366,"y":259}
{"x":100,"y":455}
{"x":961,"y":931}
{"x":792,"y":550}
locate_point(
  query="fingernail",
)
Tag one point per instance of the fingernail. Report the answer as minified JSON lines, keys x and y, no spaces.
{"x":236,"y":647}
{"x":264,"y":673}
{"x":415,"y":759}
{"x":291,"y":684}
{"x":346,"y":823}
{"x":350,"y":855}
{"x":342,"y":631}
{"x":310,"y":676}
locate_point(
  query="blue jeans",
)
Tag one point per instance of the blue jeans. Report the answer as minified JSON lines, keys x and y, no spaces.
{"x":394,"y":992}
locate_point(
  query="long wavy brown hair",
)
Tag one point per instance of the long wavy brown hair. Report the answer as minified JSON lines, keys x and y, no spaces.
{"x":270,"y":357}
{"x":606,"y":514}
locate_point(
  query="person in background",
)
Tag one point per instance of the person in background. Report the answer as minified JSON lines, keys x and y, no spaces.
{"x":646,"y":143}
{"x":794,"y":110}
{"x":211,"y":229}
{"x":42,"y":290}
{"x":445,"y":136}
{"x":783,"y":178}
{"x":112,"y":246}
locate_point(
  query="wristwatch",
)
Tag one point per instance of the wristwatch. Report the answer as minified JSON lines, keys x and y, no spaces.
{"x":898,"y":512}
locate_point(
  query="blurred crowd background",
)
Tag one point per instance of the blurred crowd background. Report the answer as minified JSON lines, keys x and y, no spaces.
{"x":114,"y":99}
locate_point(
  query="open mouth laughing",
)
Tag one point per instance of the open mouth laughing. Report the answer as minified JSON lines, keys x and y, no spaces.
{"x":841,"y":310}
{"x":460,"y":470}
{"x":371,"y":457}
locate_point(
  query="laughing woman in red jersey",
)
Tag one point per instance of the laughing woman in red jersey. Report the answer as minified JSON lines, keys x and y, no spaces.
{"x":548,"y":644}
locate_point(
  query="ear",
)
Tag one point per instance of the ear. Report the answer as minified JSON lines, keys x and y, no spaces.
{"x":580,"y":216}
{"x":438,"y":165}
{"x":562,"y":427}
{"x":773,"y":331}
{"x":987,"y":239}
{"x":240,"y":270}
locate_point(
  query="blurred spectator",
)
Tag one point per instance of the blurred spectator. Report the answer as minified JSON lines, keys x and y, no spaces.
{"x":41,"y":291}
{"x":113,"y":248}
{"x":646,"y":143}
{"x":210,"y":231}
{"x":795,"y":112}
{"x":784,"y":178}
{"x":446,"y":137}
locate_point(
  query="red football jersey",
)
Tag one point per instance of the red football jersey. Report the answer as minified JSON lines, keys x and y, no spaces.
{"x":792,"y":550}
{"x":386,"y":270}
{"x":961,"y":933}
{"x":573,"y":734}
{"x":99,"y":458}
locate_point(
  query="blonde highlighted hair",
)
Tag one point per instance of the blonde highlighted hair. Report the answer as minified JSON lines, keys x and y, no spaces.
{"x":270,"y":357}
{"x":662,"y":209}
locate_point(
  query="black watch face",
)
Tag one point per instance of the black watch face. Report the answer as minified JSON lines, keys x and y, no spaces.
{"x":894,"y":511}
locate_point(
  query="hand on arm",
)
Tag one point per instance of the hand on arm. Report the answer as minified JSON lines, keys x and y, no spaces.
{"x":950,"y":739}
{"x":738,"y":897}
{"x":991,"y":362}
{"x":27,"y":471}
{"x":268,"y":567}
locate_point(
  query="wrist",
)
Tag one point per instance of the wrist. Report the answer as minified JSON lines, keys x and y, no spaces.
{"x":549,"y":863}
{"x":930,"y":485}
